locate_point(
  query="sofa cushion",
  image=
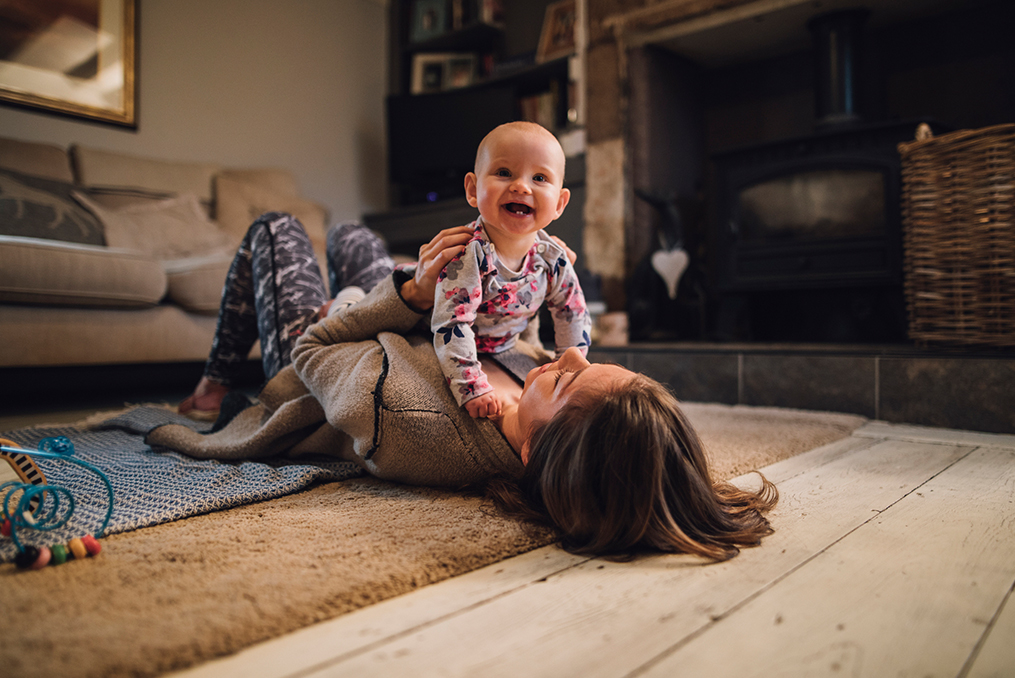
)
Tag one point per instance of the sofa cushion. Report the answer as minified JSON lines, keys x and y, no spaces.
{"x":34,"y":207}
{"x":39,"y":160}
{"x":115,"y":198}
{"x":164,"y":229}
{"x":195,"y":283}
{"x":51,"y":335}
{"x":238,"y":204}
{"x":276,"y":180}
{"x":36,"y":271}
{"x":97,"y":168}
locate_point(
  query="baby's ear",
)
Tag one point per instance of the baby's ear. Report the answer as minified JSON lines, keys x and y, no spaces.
{"x":563,"y":200}
{"x":470,"y":189}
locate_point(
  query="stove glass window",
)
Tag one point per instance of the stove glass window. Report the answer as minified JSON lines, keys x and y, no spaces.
{"x":818,"y":204}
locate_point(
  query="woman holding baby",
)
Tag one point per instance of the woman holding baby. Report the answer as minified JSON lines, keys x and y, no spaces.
{"x":603,"y":455}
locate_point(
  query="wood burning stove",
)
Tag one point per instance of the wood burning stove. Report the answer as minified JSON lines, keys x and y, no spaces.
{"x":821,"y":210}
{"x":807,"y":231}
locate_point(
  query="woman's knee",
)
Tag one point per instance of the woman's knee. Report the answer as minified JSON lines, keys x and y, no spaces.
{"x":356,"y":256}
{"x":340,"y":234}
{"x":277,"y":222}
{"x":277,"y":227}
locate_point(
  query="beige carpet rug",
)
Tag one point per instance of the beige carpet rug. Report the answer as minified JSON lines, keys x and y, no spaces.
{"x":171,"y":596}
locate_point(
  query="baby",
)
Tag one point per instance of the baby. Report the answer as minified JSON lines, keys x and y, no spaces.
{"x":486,"y":295}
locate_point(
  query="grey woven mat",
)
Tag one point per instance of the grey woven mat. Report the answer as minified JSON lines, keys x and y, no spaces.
{"x":153,"y":485}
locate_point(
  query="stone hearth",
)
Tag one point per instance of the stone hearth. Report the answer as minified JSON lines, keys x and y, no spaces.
{"x":889,"y":383}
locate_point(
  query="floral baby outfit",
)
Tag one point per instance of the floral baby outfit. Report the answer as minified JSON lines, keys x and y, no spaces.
{"x":481,"y":307}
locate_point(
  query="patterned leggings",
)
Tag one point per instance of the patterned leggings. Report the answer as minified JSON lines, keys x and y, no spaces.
{"x":274,"y":289}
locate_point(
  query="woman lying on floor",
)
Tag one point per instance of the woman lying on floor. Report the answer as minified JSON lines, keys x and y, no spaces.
{"x":603,"y":455}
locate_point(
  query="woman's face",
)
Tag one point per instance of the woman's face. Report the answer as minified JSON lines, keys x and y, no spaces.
{"x":550,"y":386}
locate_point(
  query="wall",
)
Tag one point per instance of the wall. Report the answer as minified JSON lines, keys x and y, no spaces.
{"x":298,"y":85}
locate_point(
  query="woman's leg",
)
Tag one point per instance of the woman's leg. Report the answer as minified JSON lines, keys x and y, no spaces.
{"x":273,"y":291}
{"x":356,"y":258}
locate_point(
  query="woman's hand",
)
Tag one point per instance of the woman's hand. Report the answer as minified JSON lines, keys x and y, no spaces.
{"x":322,"y":312}
{"x":568,"y":252}
{"x":433,"y":257}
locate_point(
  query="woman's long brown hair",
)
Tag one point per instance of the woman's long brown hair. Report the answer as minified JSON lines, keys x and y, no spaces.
{"x":624,"y":472}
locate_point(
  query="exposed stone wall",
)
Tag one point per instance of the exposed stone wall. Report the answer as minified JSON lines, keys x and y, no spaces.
{"x":606,"y":182}
{"x":610,"y":241}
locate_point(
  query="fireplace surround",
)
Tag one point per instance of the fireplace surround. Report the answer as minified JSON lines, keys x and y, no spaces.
{"x":710,"y":92}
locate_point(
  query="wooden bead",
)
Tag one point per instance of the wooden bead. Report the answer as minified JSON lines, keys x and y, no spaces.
{"x":78,"y":549}
{"x":43,"y":560}
{"x":91,"y":544}
{"x":5,"y":528}
{"x":26,"y":558}
{"x":59,"y":554}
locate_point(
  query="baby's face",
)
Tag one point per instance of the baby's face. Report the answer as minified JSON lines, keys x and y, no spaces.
{"x":518,"y":182}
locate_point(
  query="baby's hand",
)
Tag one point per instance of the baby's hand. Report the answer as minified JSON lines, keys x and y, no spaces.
{"x":486,"y":405}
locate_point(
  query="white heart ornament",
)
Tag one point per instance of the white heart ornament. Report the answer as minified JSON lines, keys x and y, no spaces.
{"x":670,"y":265}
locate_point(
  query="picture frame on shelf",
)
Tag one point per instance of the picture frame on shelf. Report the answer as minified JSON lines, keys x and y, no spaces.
{"x":460,"y":71}
{"x":557,"y":36}
{"x":466,"y":13}
{"x":429,"y":19}
{"x":428,"y":73}
{"x":437,"y":72}
{"x":72,"y":58}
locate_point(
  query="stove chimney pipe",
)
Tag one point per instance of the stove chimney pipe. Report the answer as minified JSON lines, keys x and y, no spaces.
{"x":837,"y":37}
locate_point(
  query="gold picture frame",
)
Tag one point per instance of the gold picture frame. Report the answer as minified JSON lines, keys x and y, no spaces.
{"x":73,"y":57}
{"x":557,"y":37}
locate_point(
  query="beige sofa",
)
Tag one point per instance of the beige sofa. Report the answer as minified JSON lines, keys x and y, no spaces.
{"x":107,"y":258}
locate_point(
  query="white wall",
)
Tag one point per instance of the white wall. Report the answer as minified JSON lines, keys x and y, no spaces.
{"x":297,"y":84}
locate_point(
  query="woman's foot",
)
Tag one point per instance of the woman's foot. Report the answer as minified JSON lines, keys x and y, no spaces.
{"x":205,"y":402}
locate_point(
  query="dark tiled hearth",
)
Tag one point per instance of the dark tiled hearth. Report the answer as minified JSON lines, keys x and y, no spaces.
{"x":698,"y":376}
{"x":973,"y":391}
{"x":977,"y":394}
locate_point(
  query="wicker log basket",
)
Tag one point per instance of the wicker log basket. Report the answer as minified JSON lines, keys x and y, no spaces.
{"x":958,"y":217}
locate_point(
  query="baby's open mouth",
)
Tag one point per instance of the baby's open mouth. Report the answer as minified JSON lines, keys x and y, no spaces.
{"x":518,"y":208}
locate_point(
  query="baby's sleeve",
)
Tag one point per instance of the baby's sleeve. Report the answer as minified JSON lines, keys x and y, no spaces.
{"x":572,"y":324}
{"x":457,"y":297}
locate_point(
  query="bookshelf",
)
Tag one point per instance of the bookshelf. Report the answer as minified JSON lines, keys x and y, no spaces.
{"x":459,"y":68}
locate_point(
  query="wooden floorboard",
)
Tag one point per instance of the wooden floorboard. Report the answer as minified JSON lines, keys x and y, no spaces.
{"x":875,"y":532}
{"x":910,"y":593}
{"x":995,"y":658}
{"x":606,"y":619}
{"x":884,"y":430}
{"x":782,"y":471}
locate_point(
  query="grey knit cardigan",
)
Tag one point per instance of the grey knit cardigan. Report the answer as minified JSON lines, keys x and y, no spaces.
{"x":365,"y":386}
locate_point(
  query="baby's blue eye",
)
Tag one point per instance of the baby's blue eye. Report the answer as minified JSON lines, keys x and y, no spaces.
{"x":539,"y":177}
{"x":503,"y":173}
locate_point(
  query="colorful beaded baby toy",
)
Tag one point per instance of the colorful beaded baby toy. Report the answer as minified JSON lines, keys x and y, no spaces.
{"x":33,"y":510}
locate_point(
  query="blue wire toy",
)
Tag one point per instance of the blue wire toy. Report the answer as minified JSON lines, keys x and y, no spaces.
{"x":42,"y":507}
